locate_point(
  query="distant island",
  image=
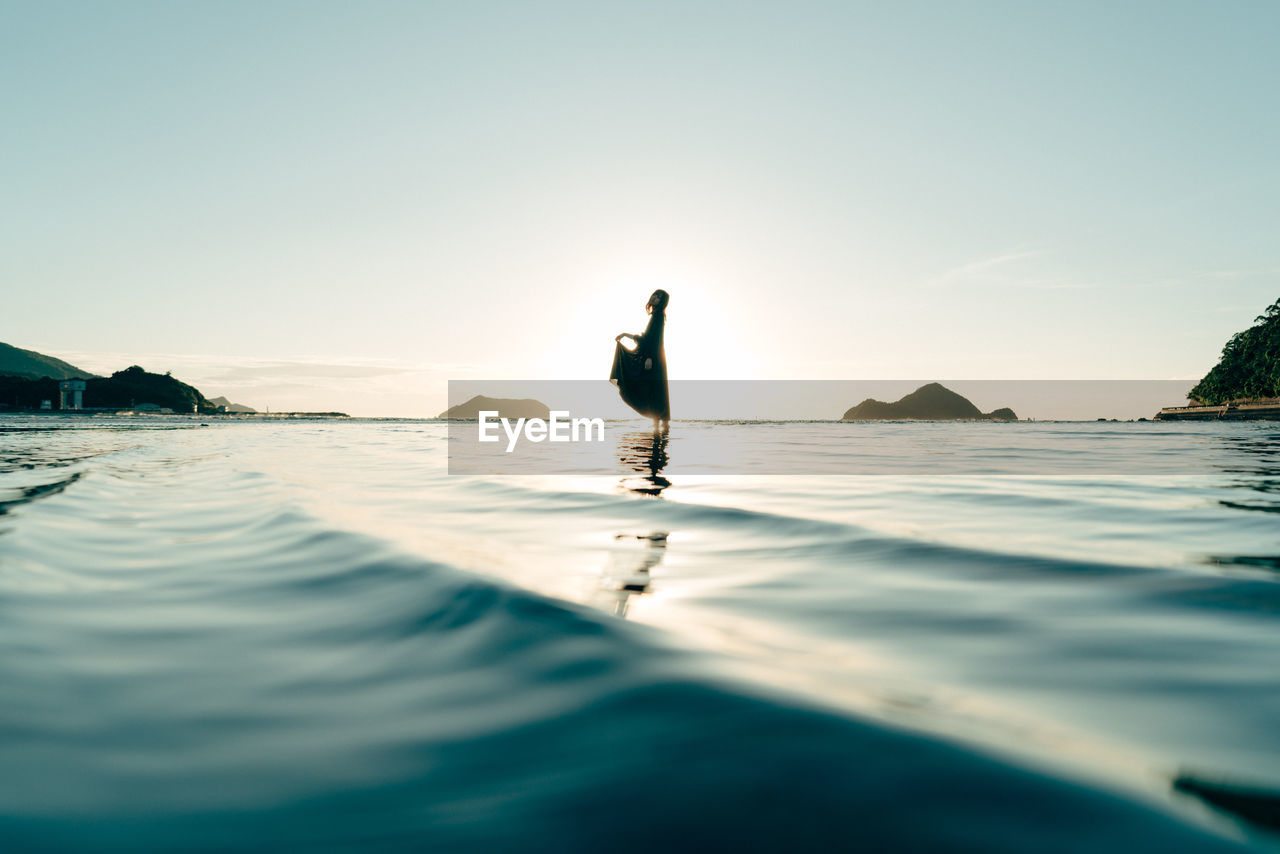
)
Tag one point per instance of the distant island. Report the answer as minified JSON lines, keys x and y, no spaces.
{"x":34,"y":382}
{"x":225,"y":405}
{"x":505,"y":407}
{"x":932,"y":402}
{"x":1245,"y":384}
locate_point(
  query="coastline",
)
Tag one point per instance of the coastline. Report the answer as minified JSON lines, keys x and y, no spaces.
{"x":1243,"y":411}
{"x":131,"y":413}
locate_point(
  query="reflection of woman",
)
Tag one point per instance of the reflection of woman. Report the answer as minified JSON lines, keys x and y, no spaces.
{"x":646,"y":454}
{"x":628,"y":572}
{"x":641,"y":373}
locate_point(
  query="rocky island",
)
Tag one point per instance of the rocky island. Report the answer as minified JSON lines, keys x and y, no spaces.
{"x":225,"y":405}
{"x":506,"y":407}
{"x":932,"y":402}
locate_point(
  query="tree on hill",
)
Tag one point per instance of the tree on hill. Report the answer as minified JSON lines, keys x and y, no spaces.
{"x":26,"y":393}
{"x":122,"y":390}
{"x":1250,"y":364}
{"x":133,"y":386}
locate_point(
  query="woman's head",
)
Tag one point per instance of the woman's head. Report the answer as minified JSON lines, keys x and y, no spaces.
{"x":657,"y":301}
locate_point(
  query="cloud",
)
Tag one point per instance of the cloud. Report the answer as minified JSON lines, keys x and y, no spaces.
{"x":1231,"y":275}
{"x":978,"y":270}
{"x":1054,"y":284}
{"x":993,"y":271}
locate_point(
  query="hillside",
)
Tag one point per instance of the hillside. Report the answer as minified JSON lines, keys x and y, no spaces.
{"x":122,"y":390}
{"x":16,"y":362}
{"x":133,"y":386}
{"x":1250,"y":365}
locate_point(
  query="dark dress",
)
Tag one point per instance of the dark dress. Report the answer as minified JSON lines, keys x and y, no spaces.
{"x":643,"y":388}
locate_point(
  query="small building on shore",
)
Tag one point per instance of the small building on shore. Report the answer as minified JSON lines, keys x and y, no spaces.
{"x":71,"y":395}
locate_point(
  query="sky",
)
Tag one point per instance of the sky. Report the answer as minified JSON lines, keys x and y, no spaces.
{"x":343,"y":206}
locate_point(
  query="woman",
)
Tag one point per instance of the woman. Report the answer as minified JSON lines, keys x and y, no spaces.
{"x":641,"y":373}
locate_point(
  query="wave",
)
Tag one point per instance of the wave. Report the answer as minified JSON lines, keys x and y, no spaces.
{"x":394,"y":703}
{"x":194,"y":659}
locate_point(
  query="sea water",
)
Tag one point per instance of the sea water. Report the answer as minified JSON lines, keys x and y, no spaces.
{"x":257,"y":634}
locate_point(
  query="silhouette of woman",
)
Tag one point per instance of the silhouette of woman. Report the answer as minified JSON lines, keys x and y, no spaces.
{"x":641,"y":373}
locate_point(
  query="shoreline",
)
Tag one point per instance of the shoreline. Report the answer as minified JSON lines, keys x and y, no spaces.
{"x":130,"y":413}
{"x":1260,"y":411}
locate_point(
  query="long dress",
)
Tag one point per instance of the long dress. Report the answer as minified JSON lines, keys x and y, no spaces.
{"x":641,"y":374}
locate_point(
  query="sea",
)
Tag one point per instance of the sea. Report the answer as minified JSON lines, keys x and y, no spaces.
{"x":242,"y":634}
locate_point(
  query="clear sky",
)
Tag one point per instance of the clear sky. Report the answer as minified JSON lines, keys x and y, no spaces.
{"x":319,"y":205}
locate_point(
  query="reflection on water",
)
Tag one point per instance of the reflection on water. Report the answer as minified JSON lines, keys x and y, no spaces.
{"x":1255,"y":454}
{"x":1269,"y":487}
{"x":628,"y":572}
{"x":644,"y":452}
{"x":12,"y":498}
{"x":1271,"y":562}
{"x":1257,"y":806}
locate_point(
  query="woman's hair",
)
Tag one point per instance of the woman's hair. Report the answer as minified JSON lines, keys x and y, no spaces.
{"x":659,"y":300}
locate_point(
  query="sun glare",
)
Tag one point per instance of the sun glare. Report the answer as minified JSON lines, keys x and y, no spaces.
{"x":702,"y":341}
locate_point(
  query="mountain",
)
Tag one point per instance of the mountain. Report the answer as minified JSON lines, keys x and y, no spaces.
{"x":505,"y":407}
{"x":932,"y":402}
{"x":16,"y":362}
{"x":232,"y":407}
{"x":1250,"y":365}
